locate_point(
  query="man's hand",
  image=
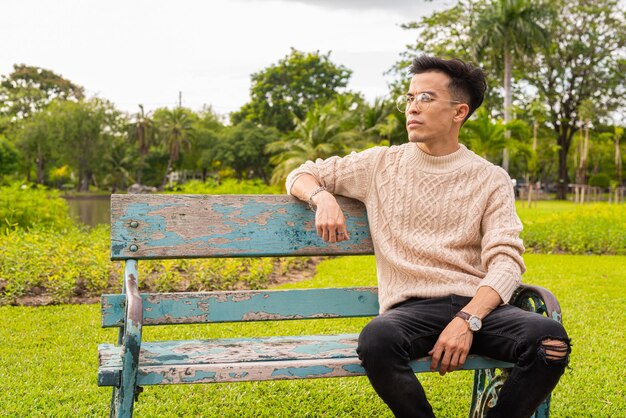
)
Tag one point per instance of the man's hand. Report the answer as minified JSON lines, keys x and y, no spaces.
{"x":329,"y":219}
{"x":452,"y":347}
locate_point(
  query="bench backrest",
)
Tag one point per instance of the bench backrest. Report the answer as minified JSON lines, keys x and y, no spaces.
{"x":197,"y":226}
{"x":207,"y":226}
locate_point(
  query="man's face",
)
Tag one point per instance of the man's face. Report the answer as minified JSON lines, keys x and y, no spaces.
{"x":436,"y":122}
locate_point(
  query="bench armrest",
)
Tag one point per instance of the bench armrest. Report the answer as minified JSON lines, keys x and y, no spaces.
{"x":537,"y":299}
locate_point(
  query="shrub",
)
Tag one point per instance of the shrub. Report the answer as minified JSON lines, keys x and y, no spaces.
{"x":61,"y":264}
{"x":29,"y":206}
{"x":227,"y":186}
{"x":590,"y":229}
{"x":600,"y":180}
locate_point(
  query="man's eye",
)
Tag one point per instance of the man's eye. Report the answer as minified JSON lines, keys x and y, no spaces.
{"x":424,"y":97}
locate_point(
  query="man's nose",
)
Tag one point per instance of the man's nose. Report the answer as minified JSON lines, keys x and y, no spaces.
{"x":413,"y":107}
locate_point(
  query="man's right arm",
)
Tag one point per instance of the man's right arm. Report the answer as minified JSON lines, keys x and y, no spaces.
{"x":329,"y":219}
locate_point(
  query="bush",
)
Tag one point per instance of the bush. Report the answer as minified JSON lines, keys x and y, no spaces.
{"x":29,"y":206}
{"x":75,"y":262}
{"x":597,"y":228}
{"x":61,"y":264}
{"x":600,"y":180}
{"x":227,"y":186}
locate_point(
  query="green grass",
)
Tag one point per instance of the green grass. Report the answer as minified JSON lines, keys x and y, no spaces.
{"x":48,"y":358}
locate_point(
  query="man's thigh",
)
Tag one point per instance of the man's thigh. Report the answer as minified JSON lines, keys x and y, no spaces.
{"x":419,"y":322}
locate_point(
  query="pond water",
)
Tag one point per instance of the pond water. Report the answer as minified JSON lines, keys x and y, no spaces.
{"x":90,"y":210}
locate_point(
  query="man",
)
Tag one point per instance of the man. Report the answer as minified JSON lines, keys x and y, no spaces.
{"x":448,"y":252}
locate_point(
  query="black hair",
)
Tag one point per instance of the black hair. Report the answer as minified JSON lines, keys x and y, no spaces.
{"x":467,"y":83}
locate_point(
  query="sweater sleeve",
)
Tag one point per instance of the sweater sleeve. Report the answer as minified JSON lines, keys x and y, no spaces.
{"x":347,"y":176}
{"x":502,"y":247}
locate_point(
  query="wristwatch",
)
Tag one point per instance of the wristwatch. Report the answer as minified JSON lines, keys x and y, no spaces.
{"x":473,"y":322}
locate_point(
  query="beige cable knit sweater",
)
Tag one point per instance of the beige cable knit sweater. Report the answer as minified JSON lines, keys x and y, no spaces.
{"x":440,"y":225}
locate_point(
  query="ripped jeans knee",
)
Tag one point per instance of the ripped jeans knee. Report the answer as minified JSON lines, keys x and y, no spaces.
{"x":554,"y":350}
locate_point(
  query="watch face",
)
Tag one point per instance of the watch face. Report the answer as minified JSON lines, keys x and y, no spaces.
{"x":475,"y":323}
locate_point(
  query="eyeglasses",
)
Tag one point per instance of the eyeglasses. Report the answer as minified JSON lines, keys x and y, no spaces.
{"x":423,"y":100}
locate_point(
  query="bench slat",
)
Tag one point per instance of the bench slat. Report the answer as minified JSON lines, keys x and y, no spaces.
{"x":237,"y":306}
{"x":192,"y":226}
{"x":248,"y":359}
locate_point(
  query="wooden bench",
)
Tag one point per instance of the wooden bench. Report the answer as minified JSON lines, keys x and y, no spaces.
{"x":145,"y":227}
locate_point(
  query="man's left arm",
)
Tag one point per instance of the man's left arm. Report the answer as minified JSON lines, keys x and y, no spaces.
{"x":501,"y":256}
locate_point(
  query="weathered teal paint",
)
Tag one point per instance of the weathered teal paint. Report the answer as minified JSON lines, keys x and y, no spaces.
{"x":246,"y":306}
{"x":302,"y":372}
{"x":226,"y":226}
{"x":320,"y":347}
{"x":355,"y":369}
{"x":199,"y":376}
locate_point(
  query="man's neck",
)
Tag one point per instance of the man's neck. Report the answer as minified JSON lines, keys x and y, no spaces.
{"x":439,"y":149}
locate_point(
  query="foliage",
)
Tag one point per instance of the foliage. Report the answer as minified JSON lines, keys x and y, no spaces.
{"x":582,"y":61}
{"x":24,"y":207}
{"x":487,"y":137}
{"x":565,"y":227}
{"x":290,"y":88}
{"x":227,"y":186}
{"x":48,"y":364}
{"x":30,"y":89}
{"x":600,"y":180}
{"x":62,"y":264}
{"x":9,"y":157}
{"x":242,"y":147}
{"x":327,"y":130}
{"x":175,"y":127}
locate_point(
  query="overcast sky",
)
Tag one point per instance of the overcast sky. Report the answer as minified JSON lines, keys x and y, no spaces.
{"x":145,"y":52}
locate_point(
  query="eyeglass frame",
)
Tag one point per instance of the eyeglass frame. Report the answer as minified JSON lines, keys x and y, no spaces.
{"x":408,"y":99}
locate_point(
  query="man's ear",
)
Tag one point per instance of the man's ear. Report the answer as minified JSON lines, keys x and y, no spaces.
{"x":461,"y":112}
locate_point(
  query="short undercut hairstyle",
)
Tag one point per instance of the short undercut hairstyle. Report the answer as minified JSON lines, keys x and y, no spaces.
{"x":467,"y":83}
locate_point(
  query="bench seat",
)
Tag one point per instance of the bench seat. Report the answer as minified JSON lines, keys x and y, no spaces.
{"x":250,"y":359}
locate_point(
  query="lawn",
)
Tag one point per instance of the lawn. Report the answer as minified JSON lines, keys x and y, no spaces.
{"x":48,"y":358}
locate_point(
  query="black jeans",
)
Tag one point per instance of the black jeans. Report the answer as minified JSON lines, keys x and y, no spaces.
{"x":410,"y":330}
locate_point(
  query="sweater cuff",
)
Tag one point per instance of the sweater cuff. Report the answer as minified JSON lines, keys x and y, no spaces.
{"x":504,"y":276}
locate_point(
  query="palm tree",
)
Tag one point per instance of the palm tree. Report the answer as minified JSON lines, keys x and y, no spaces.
{"x":325,"y":131}
{"x":487,"y":137}
{"x":176,"y":129}
{"x":505,"y":27}
{"x":141,"y":130}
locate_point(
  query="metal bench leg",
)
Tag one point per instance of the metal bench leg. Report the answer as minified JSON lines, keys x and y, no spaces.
{"x":487,"y":385}
{"x":123,"y":399}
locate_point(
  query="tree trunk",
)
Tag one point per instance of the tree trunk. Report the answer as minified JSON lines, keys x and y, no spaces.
{"x":563,"y":180}
{"x":508,"y":100}
{"x":618,"y":161}
{"x":167,"y":172}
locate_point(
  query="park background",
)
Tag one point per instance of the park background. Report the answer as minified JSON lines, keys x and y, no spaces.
{"x":553,"y":117}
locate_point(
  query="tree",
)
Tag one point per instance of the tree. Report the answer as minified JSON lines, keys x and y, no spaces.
{"x":141,"y":131}
{"x":446,"y":34}
{"x":84,"y":131}
{"x":583,"y":60}
{"x":119,"y":165}
{"x":290,"y":88}
{"x":505,"y":28}
{"x":9,"y":157}
{"x":30,"y":89}
{"x":325,"y":131}
{"x":36,"y":140}
{"x":176,"y":130}
{"x":242,"y":147}
{"x":487,"y":137}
